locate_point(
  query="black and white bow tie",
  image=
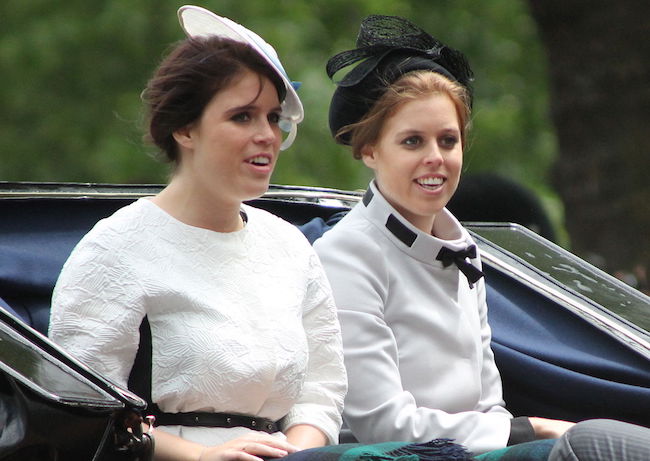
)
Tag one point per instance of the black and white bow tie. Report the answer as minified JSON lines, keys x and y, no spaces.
{"x":446,"y":255}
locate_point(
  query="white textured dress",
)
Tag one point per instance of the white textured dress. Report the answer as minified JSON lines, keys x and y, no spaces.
{"x":241,"y":322}
{"x":415,"y":334}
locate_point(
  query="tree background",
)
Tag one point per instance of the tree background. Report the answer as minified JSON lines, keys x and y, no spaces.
{"x":72,"y":73}
{"x":600,"y":79}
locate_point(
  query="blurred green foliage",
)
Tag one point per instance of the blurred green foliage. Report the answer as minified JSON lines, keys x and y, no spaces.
{"x":72,"y":73}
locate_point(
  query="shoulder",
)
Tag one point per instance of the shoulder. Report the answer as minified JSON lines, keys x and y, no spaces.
{"x":279,"y":237}
{"x":264,"y":222}
{"x":102,"y":263}
{"x":129,"y":217}
{"x":353,"y":244}
{"x":355,"y":258}
{"x":354,"y":233}
{"x":109,"y":236}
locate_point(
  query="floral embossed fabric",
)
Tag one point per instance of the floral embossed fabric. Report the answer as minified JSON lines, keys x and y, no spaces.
{"x":241,"y":322}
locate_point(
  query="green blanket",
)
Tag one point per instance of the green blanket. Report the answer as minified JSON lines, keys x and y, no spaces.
{"x":435,"y":450}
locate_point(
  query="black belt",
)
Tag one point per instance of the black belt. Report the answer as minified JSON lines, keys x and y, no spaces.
{"x":216,"y":420}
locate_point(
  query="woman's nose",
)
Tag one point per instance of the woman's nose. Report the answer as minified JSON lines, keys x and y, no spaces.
{"x":267,"y":133}
{"x":433,"y":156}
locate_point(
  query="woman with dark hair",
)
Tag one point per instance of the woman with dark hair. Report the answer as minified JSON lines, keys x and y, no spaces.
{"x":407,"y":276}
{"x":246,"y":349}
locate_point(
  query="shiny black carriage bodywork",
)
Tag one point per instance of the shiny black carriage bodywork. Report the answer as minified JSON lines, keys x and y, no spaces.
{"x":571,"y":341}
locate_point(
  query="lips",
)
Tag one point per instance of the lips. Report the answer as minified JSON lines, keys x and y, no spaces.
{"x":259,"y":160}
{"x":260,"y":163}
{"x":430,"y":182}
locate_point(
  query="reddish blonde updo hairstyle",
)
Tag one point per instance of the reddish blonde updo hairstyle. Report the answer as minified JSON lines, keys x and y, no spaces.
{"x":412,"y":85}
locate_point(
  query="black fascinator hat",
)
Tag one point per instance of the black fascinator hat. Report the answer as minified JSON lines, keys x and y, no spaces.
{"x":388,"y":47}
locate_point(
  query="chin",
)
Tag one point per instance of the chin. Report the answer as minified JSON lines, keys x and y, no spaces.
{"x":431,"y":209}
{"x":255,"y":191}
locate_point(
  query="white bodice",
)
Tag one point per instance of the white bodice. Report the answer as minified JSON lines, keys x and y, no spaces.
{"x":241,"y":322}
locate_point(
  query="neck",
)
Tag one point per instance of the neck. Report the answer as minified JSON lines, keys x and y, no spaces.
{"x":423,"y":223}
{"x":199,"y":209}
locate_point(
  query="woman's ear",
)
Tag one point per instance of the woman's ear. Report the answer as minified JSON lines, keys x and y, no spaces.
{"x":368,"y":156}
{"x":183,"y":137}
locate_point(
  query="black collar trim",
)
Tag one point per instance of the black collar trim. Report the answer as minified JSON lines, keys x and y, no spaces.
{"x":367,"y":197}
{"x":393,"y":224}
{"x":399,"y":230}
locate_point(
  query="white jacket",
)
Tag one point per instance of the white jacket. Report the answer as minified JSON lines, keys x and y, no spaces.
{"x":415,"y":335}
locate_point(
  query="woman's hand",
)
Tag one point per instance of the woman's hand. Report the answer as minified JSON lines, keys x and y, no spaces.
{"x":248,"y":448}
{"x":549,"y":428}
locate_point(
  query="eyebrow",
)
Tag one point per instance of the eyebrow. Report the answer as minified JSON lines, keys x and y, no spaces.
{"x":415,"y":131}
{"x":249,"y":106}
{"x":408,"y":132}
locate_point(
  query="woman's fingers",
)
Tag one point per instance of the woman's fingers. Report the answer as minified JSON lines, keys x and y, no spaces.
{"x":271,"y":441}
{"x":249,"y":448}
{"x":264,"y":450}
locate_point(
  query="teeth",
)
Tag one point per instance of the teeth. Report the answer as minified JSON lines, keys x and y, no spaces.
{"x":430,"y":181}
{"x":260,"y":160}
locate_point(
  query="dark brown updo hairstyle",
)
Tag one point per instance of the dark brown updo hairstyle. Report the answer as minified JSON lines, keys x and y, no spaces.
{"x":188,"y":78}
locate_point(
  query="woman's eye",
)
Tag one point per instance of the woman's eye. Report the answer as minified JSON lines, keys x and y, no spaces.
{"x":412,"y":141}
{"x":274,"y":118}
{"x":241,"y":117}
{"x":449,"y":142}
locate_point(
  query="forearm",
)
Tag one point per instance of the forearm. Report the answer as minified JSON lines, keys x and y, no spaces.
{"x":170,"y":447}
{"x":306,"y":436}
{"x":549,"y":428}
{"x":252,"y":447}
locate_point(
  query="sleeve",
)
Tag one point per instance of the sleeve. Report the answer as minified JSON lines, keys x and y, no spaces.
{"x":96,"y":310}
{"x":377,"y":407}
{"x":521,"y":430}
{"x":491,"y":385}
{"x":325,"y":384}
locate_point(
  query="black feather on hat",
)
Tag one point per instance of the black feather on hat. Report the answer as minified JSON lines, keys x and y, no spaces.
{"x":388,"y":47}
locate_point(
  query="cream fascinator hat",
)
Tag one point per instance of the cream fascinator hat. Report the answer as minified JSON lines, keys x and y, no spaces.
{"x":197,"y":22}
